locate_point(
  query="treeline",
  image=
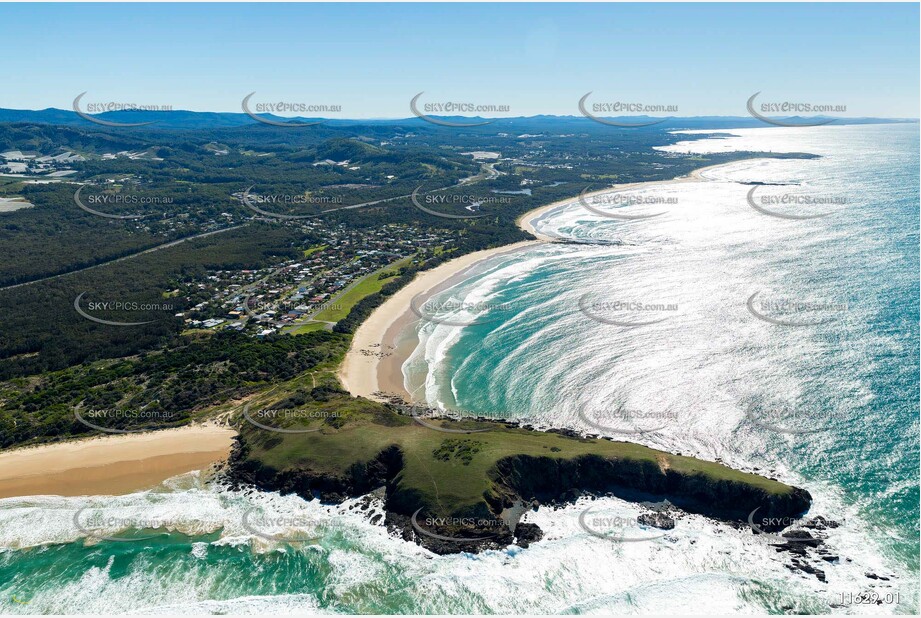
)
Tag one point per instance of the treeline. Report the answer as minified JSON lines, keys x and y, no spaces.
{"x":42,"y":331}
{"x":51,"y":140}
{"x":157,"y":390}
{"x":191,"y":191}
{"x":366,"y":305}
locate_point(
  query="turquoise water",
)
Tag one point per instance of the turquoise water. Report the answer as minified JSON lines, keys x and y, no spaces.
{"x":707,"y":378}
{"x":847,"y":388}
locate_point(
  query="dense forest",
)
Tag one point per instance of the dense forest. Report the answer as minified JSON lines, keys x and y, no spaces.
{"x":155,"y":390}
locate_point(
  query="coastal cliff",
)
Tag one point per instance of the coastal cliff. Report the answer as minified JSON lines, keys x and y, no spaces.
{"x":454,"y":492}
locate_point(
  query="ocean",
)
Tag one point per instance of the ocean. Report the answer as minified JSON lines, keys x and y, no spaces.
{"x":765,"y":316}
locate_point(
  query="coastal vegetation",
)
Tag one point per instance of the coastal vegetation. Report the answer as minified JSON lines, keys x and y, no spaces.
{"x":189,"y":379}
{"x":353,"y":446}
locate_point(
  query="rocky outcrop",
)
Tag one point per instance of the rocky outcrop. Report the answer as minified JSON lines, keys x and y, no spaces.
{"x":531,"y":481}
{"x":359,"y":479}
{"x":657,"y":520}
{"x":550,"y":480}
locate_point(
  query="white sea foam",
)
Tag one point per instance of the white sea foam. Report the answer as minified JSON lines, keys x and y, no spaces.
{"x":711,"y":360}
{"x":707,"y":565}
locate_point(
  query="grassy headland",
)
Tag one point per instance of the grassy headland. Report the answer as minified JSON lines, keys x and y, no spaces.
{"x":352,"y":446}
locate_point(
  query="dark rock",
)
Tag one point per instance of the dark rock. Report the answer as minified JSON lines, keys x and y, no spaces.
{"x":801,"y":538}
{"x":820,"y":523}
{"x":657,"y":520}
{"x":525,"y":534}
{"x":443,"y":540}
{"x":792,"y":548}
{"x":360,"y":478}
{"x":524,"y":477}
{"x":808,"y":568}
{"x":819,"y":574}
{"x":569,"y":433}
{"x":569,"y":496}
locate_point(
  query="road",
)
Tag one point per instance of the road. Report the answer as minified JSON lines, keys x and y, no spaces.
{"x":167,"y":245}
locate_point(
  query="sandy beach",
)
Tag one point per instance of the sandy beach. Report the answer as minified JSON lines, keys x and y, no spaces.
{"x":112,"y":465}
{"x":376,"y":336}
{"x":373,"y":364}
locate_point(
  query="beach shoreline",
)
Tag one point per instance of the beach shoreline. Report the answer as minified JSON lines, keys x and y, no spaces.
{"x":112,"y":464}
{"x":375,"y":338}
{"x":372,"y":367}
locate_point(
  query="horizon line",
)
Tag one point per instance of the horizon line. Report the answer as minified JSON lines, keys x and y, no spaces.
{"x":410,"y":117}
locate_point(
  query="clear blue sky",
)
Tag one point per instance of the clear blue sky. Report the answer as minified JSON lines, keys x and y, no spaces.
{"x":536,"y":58}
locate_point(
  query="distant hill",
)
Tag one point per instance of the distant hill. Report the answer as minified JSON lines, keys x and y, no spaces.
{"x":49,"y":139}
{"x":347,"y":149}
{"x":182,"y":119}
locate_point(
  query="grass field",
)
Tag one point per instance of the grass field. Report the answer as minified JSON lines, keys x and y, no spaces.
{"x":448,"y":473}
{"x":367,"y":285}
{"x":449,"y":484}
{"x":306,"y":327}
{"x":311,"y":250}
{"x":339,"y":306}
